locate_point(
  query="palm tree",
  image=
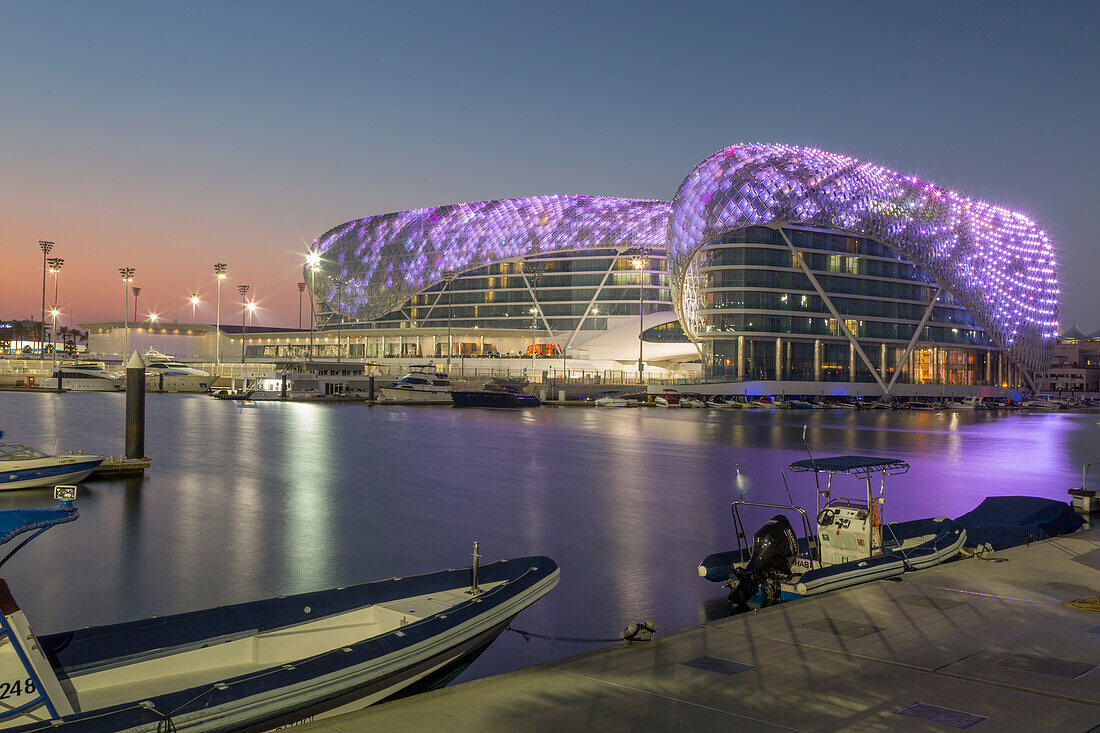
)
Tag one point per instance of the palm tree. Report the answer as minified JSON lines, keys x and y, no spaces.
{"x":18,"y":332}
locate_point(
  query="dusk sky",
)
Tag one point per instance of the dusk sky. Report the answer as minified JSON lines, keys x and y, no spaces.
{"x":170,"y":136}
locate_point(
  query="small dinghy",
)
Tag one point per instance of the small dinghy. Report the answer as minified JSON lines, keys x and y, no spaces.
{"x":852,"y":543}
{"x":256,"y":666}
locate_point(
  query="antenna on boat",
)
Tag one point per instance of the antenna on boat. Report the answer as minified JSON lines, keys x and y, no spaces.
{"x":813,"y":464}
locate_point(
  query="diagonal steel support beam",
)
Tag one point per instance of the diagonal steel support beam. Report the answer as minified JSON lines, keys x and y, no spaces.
{"x":538,"y":307}
{"x":437,"y":297}
{"x":833,"y":310}
{"x":916,"y":337}
{"x":587,"y":310}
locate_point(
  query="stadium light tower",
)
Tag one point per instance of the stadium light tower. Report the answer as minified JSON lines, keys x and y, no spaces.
{"x":127,"y":274}
{"x":136,"y":291}
{"x":219,"y":273}
{"x":243,"y":289}
{"x":301,"y":289}
{"x":194,"y":300}
{"x":55,"y":268}
{"x":313,"y":259}
{"x":46,"y":247}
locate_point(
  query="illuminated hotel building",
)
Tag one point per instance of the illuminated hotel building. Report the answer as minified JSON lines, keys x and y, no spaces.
{"x":771,"y":264}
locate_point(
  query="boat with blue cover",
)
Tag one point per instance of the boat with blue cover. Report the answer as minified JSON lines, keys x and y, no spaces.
{"x":507,"y":393}
{"x":256,"y":666}
{"x":24,"y":467}
{"x":852,"y":543}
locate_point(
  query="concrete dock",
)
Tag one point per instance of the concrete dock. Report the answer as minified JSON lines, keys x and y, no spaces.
{"x":976,"y":643}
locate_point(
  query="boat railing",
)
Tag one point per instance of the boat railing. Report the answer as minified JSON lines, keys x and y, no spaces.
{"x":742,"y":537}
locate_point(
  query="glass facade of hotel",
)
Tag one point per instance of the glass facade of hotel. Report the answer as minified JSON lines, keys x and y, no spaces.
{"x":760,"y":316}
{"x":570,"y":290}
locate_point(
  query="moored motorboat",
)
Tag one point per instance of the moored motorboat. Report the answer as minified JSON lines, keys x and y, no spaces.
{"x":83,"y":376}
{"x":851,"y":544}
{"x":165,"y":374}
{"x":24,"y":467}
{"x":256,"y":666}
{"x":614,"y":399}
{"x":506,"y":393}
{"x":420,"y":384}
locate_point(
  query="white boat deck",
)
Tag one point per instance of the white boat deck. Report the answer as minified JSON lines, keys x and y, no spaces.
{"x":244,"y":654}
{"x":972,"y":642}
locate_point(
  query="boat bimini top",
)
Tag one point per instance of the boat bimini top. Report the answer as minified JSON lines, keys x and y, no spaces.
{"x":859,"y":466}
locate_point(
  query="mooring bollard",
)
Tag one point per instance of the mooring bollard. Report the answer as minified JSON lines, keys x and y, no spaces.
{"x":135,"y":407}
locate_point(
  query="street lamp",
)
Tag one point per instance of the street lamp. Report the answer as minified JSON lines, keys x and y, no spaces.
{"x":46,"y":247}
{"x":339,"y":283}
{"x":54,"y":313}
{"x":137,"y":291}
{"x":536,"y":269}
{"x":194,"y":304}
{"x":243,"y":289}
{"x":153,"y":317}
{"x":639,"y":262}
{"x":448,"y":282}
{"x":301,"y":289}
{"x":219,"y":273}
{"x":55,"y":268}
{"x":251,"y":306}
{"x":313,"y":260}
{"x":127,"y":278}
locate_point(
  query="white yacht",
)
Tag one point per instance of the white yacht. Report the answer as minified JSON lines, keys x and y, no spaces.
{"x":421,"y":384}
{"x":84,"y":376}
{"x":23,"y":467}
{"x":165,"y":374}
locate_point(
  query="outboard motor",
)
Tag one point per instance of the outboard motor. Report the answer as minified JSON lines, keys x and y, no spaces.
{"x":774,"y":548}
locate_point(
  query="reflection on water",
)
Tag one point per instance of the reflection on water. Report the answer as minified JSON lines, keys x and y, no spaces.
{"x":277,"y":498}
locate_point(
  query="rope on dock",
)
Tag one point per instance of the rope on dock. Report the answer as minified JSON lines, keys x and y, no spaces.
{"x":640,"y":631}
{"x":1087,"y":603}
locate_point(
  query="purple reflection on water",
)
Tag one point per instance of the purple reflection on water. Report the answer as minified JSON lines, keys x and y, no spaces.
{"x":246,"y":503}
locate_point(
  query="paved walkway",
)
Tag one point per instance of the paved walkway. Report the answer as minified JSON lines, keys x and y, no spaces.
{"x":975,"y":643}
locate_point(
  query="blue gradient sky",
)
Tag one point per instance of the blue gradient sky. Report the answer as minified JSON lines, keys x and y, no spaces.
{"x":169,"y":136}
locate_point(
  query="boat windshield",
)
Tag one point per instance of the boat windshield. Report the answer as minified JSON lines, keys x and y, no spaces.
{"x":9,"y":452}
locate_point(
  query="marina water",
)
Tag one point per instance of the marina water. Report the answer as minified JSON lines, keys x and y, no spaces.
{"x":257,"y":500}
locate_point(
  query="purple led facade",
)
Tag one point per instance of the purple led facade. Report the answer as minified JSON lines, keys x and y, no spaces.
{"x":996,"y":262}
{"x":385,"y":260}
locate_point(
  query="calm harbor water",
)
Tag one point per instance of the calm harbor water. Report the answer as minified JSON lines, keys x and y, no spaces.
{"x":247,"y":502}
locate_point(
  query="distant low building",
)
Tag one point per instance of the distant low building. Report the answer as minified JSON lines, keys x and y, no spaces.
{"x":1075,"y":367}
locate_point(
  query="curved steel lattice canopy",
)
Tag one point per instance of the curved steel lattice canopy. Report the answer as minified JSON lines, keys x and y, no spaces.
{"x":385,"y":260}
{"x":997,"y":263}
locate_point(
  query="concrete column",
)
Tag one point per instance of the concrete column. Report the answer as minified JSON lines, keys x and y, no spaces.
{"x":817,"y":360}
{"x":740,"y":357}
{"x":851,"y":362}
{"x":419,"y":351}
{"x":481,"y":344}
{"x":1000,"y":368}
{"x":383,"y":349}
{"x":935,"y":365}
{"x":882,"y":360}
{"x":779,"y":360}
{"x":988,"y":367}
{"x":787,"y":366}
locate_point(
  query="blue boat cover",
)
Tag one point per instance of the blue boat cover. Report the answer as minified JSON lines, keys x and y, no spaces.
{"x":14,"y":522}
{"x":1007,"y":521}
{"x":846,"y":464}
